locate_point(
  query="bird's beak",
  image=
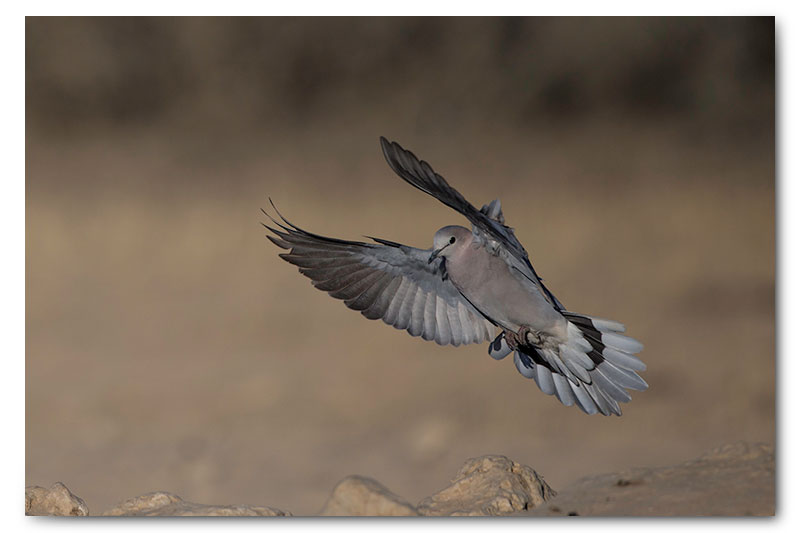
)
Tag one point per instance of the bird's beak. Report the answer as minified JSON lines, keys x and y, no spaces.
{"x":435,"y":254}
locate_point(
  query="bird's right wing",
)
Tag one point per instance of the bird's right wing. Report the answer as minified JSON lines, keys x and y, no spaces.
{"x":387,"y":280}
{"x":422,"y":176}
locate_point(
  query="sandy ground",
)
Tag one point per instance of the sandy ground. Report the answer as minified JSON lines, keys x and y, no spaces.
{"x":169,"y":348}
{"x":736,"y":479}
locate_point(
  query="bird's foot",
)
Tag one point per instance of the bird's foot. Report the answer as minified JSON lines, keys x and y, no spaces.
{"x":522,"y":336}
{"x":531,"y":337}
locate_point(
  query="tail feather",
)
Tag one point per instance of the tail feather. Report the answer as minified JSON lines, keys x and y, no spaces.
{"x":616,"y":341}
{"x":585,"y":402}
{"x":524,"y":366}
{"x":579,"y":371}
{"x":622,"y":377}
{"x":591,"y":370}
{"x":599,"y":324}
{"x":499,"y":348}
{"x":611,"y":389}
{"x":623,"y":359}
{"x":604,"y":401}
{"x":563,"y":392}
{"x":544,"y":379}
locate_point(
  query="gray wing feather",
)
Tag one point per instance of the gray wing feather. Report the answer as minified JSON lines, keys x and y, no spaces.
{"x":420,"y":174}
{"x":457,"y":329}
{"x":387,"y":281}
{"x":429,"y":317}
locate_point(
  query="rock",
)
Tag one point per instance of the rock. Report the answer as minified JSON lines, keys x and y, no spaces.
{"x":489,"y":485}
{"x":733,"y":480}
{"x":55,"y":501}
{"x":363,"y":496}
{"x":166,"y":504}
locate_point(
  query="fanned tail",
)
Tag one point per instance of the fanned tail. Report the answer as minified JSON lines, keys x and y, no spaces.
{"x":591,"y":370}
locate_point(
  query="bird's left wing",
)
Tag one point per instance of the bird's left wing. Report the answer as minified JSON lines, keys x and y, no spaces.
{"x":485,"y":223}
{"x":387,"y":280}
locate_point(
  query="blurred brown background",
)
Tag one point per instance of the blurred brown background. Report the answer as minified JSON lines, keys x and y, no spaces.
{"x":169,"y":348}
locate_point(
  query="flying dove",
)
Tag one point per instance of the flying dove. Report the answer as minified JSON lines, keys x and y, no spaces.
{"x":464,"y":287}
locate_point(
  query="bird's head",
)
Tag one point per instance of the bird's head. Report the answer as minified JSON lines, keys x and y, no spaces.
{"x":449,"y":239}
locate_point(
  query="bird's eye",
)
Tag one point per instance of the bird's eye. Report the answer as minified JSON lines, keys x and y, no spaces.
{"x":452,"y":240}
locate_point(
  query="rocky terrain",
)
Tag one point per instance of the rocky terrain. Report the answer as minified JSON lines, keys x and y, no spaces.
{"x":732,"y":480}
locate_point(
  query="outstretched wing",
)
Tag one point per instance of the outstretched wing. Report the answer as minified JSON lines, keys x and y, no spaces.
{"x":387,"y":280}
{"x":423,"y":177}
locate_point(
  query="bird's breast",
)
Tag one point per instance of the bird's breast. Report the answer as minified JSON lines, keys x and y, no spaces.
{"x":507,"y":298}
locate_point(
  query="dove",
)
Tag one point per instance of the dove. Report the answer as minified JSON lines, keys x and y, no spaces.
{"x":472,"y":286}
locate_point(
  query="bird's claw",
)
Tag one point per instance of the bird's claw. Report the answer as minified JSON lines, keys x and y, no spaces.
{"x":523,"y":336}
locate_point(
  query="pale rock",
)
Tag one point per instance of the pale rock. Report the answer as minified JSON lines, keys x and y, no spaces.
{"x":363,"y":496}
{"x":486,"y":486}
{"x":167,"y":504}
{"x":55,"y":501}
